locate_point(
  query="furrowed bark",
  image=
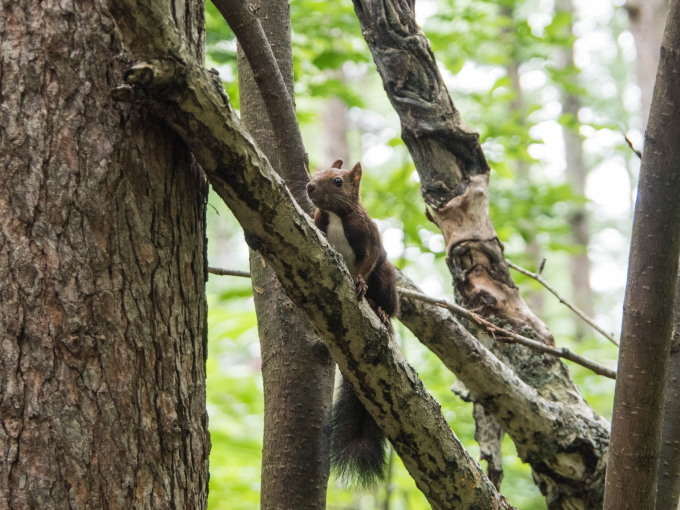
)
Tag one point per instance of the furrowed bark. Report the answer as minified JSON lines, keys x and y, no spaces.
{"x":652,"y":271}
{"x":312,"y":274}
{"x":454,"y":176}
{"x":102,"y":273}
{"x":297,"y":371}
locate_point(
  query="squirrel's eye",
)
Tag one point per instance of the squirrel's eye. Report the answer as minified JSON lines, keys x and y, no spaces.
{"x":337,"y":181}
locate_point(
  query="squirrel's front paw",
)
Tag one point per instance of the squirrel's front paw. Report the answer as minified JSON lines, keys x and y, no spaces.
{"x":384,"y":318}
{"x":361,"y":286}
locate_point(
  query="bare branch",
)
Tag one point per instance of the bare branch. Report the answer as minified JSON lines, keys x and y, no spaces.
{"x":277,"y":100}
{"x":501,"y":334}
{"x":228,"y":272}
{"x":496,"y":332}
{"x":630,"y":144}
{"x":572,"y":307}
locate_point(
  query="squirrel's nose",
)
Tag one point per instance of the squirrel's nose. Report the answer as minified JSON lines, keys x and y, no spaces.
{"x":310,"y":187}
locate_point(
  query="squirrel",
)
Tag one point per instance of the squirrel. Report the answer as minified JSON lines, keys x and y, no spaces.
{"x":357,"y":443}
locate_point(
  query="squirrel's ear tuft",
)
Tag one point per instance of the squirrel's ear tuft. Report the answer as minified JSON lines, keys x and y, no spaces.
{"x":355,"y":174}
{"x":337,"y":164}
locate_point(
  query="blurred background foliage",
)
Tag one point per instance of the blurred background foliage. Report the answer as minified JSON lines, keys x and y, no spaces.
{"x":503,"y":63}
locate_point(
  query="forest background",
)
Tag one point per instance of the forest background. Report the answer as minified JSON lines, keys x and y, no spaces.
{"x":551,"y":88}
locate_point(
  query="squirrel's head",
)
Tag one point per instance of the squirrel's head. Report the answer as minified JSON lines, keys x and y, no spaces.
{"x":335,"y":190}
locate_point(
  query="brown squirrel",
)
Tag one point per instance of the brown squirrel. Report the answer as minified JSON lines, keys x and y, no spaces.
{"x":357,"y":443}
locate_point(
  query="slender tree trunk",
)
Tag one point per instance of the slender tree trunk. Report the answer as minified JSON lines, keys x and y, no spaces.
{"x":335,"y":126}
{"x":518,"y":107}
{"x":102,"y":274}
{"x":296,"y":369}
{"x":668,"y":490}
{"x":647,"y":322}
{"x":647,"y":19}
{"x":579,"y":263}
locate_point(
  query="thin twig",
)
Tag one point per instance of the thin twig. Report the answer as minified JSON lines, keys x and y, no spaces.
{"x":228,"y":272}
{"x":569,"y":305}
{"x":504,"y":334}
{"x":630,"y":144}
{"x":495,"y":331}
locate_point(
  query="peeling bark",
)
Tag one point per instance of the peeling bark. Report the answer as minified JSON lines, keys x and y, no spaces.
{"x":561,"y":442}
{"x":454,"y":176}
{"x":102,"y":274}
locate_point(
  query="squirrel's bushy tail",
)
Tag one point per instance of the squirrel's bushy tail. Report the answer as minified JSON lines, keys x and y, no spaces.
{"x":357,"y":443}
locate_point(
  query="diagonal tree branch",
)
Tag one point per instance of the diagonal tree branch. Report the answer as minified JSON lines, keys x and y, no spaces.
{"x":455,"y":178}
{"x":314,"y":276}
{"x":506,"y":335}
{"x":489,"y":328}
{"x":553,"y":437}
{"x":243,"y":19}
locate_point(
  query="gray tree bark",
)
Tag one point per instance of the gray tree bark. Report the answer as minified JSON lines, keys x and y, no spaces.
{"x":102,"y":273}
{"x":297,"y":371}
{"x":652,"y":271}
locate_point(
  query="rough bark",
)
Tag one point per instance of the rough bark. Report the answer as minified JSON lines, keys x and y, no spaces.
{"x":652,"y":270}
{"x":647,"y":19}
{"x":102,"y":274}
{"x":454,"y":176}
{"x":312,"y":274}
{"x":668,"y":490}
{"x":567,"y":442}
{"x":579,"y":263}
{"x":297,"y":371}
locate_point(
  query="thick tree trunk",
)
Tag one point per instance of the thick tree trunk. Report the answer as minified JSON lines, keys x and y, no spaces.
{"x":102,"y":274}
{"x":297,"y":370}
{"x":652,"y":271}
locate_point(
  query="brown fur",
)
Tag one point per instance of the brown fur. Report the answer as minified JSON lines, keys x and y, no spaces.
{"x":357,"y":443}
{"x":373,"y":274}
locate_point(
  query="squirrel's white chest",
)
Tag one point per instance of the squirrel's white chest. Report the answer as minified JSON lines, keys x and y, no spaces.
{"x":336,"y":236}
